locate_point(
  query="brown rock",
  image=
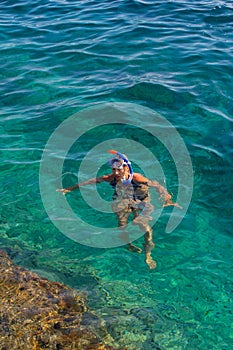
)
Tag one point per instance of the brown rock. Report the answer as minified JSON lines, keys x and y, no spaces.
{"x":38,"y":314}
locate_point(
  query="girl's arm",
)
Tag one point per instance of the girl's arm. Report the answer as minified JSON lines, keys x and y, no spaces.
{"x":163,"y":193}
{"x":84,"y":183}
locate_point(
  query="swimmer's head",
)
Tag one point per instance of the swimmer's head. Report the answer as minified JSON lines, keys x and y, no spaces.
{"x":118,"y":164}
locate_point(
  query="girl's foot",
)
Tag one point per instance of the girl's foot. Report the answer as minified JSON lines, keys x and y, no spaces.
{"x":133,"y":248}
{"x":151,"y":263}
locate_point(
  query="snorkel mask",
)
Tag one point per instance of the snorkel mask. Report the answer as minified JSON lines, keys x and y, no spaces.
{"x":115,"y":163}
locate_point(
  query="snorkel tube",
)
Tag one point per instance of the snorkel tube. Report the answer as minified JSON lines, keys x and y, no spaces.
{"x":127,"y":162}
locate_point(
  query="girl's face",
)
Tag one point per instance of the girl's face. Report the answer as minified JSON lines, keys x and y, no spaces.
{"x":119,"y":170}
{"x":118,"y":173}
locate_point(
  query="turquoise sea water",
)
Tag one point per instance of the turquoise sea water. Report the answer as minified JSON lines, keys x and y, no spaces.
{"x":174,"y":57}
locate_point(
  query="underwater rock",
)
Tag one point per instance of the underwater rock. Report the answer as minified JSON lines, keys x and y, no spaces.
{"x":38,"y":314}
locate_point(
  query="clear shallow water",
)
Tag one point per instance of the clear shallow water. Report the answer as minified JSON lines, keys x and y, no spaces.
{"x":58,"y":57}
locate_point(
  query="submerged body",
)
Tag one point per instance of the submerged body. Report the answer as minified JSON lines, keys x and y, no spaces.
{"x":131,"y":195}
{"x":134,"y":199}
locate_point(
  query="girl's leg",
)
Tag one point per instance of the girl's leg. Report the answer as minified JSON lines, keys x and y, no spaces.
{"x":142,"y":222}
{"x":148,"y":246}
{"x":122,"y":216}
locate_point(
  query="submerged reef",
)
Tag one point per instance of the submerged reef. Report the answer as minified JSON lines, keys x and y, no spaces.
{"x":38,"y":314}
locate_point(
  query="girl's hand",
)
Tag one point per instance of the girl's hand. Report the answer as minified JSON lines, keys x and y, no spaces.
{"x":169,"y":202}
{"x":63,"y":190}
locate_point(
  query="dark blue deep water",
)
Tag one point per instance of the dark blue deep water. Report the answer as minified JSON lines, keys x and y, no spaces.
{"x":60,"y":57}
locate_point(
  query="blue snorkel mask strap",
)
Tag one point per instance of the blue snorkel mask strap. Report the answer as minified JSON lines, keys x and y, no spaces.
{"x":127,"y":162}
